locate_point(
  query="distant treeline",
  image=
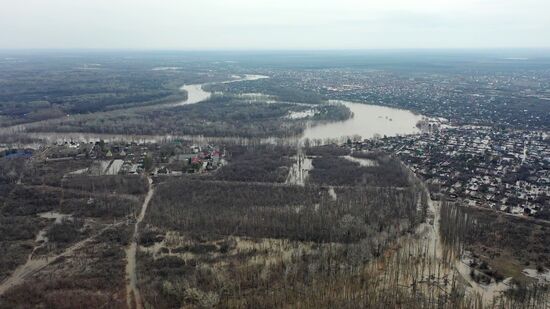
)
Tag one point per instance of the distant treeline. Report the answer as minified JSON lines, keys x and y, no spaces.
{"x":270,"y":87}
{"x":220,"y":116}
{"x":40,"y":88}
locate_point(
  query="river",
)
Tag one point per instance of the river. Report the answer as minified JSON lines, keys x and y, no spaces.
{"x":196,"y":93}
{"x":367,"y":121}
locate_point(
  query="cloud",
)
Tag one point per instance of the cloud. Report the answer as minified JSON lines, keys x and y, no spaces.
{"x":266,"y":24}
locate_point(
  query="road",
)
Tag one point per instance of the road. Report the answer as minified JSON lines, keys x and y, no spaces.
{"x":32,"y":266}
{"x":440,"y":254}
{"x":132,"y":291}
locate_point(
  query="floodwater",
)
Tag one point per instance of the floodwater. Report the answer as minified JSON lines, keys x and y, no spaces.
{"x":542,"y":277}
{"x":362,"y":161}
{"x":487,"y":292}
{"x":299,"y":171}
{"x":368,"y":121}
{"x":54,"y":215}
{"x":196,"y":94}
{"x":52,"y":137}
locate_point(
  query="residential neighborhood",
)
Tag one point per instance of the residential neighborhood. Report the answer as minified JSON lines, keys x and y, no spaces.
{"x":129,"y":158}
{"x":505,"y":170}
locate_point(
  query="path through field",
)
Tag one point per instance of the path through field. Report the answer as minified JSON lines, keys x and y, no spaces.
{"x":33,"y":266}
{"x":132,"y":291}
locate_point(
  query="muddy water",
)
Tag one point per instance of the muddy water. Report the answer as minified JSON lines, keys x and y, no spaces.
{"x":487,"y":292}
{"x":196,"y":93}
{"x":367,"y":121}
{"x":430,"y":267}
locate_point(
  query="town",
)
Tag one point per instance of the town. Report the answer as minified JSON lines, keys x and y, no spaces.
{"x":155,"y":180}
{"x":510,"y":98}
{"x":504,"y":170}
{"x":127,"y":158}
{"x":499,"y":169}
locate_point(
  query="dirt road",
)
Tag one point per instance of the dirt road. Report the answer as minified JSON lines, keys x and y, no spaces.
{"x":33,"y":266}
{"x":132,"y":292}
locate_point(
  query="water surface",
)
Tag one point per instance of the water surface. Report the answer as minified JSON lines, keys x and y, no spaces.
{"x":368,"y":121}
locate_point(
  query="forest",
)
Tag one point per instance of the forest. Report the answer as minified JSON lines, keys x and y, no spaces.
{"x":90,"y":278}
{"x":39,"y":87}
{"x":270,"y":87}
{"x":277,"y":211}
{"x":262,"y":163}
{"x":65,"y":232}
{"x":233,"y":240}
{"x":385,"y":172}
{"x":358,"y":229}
{"x":506,"y":243}
{"x":220,"y":116}
{"x":244,"y":236}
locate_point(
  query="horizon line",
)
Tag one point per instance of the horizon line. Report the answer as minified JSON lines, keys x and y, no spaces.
{"x":99,"y":49}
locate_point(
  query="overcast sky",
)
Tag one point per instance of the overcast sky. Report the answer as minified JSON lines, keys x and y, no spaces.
{"x":274,"y":24}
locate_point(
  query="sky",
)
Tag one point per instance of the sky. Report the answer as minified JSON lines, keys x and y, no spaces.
{"x":273,"y":24}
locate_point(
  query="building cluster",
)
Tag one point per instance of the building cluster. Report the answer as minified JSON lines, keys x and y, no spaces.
{"x":130,"y":158}
{"x":506,"y":170}
{"x":519,"y":99}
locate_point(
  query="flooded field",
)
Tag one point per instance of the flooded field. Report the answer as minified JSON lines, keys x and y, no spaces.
{"x":299,"y":171}
{"x":362,"y":161}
